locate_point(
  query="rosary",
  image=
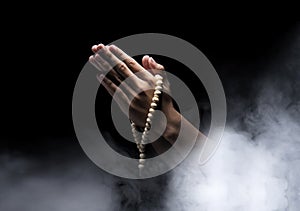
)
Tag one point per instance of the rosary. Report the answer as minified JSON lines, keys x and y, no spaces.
{"x":141,"y":140}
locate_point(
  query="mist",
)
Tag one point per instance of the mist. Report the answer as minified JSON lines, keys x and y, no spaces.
{"x":256,"y":167}
{"x":247,"y":173}
{"x":34,"y":185}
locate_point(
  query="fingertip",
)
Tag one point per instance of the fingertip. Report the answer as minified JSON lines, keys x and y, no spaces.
{"x":97,"y":56}
{"x":112,"y":47}
{"x":152,"y":61}
{"x":155,"y":65}
{"x":91,"y":58}
{"x":94,"y":48}
{"x":100,"y":46}
{"x":146,"y":57}
{"x":145,"y":61}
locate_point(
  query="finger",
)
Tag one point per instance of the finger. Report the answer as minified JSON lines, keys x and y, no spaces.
{"x":112,"y":87}
{"x":103,"y":66}
{"x":155,"y":67}
{"x":93,"y":61}
{"x":133,"y":65}
{"x":127,"y":90}
{"x":103,"y":63}
{"x":118,"y":65}
{"x":117,"y":94}
{"x":106,"y":67}
{"x":145,"y":62}
{"x":94,"y":48}
{"x":108,"y":84}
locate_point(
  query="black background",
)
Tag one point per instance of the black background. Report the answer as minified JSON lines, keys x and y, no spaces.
{"x":42,"y":62}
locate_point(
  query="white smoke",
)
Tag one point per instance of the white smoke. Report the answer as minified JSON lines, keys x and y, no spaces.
{"x":34,"y":186}
{"x":246,"y":173}
{"x":257,"y":166}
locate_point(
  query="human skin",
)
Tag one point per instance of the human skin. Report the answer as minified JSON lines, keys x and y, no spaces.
{"x":115,"y":66}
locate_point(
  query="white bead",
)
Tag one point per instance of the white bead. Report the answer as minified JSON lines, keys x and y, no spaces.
{"x":158,"y":88}
{"x":159,"y":82}
{"x":144,"y":137}
{"x":157,"y":92}
{"x":159,"y":77}
{"x":155,"y":99}
{"x":153,"y":105}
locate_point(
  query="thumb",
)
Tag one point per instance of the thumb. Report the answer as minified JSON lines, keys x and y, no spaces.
{"x":156,"y":68}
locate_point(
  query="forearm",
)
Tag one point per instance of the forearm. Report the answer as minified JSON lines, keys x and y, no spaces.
{"x":178,"y":127}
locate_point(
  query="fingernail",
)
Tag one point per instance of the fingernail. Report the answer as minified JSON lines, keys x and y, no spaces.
{"x":111,"y":47}
{"x":100,"y":46}
{"x":152,"y":60}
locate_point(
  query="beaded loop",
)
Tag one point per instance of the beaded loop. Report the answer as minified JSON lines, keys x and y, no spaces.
{"x":141,"y":140}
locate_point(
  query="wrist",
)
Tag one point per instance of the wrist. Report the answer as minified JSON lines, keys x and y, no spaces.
{"x":173,"y":125}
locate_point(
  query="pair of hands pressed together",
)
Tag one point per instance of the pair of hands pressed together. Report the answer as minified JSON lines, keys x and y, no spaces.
{"x":115,"y":66}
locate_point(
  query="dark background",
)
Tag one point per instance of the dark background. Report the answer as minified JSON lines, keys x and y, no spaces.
{"x":43,"y":62}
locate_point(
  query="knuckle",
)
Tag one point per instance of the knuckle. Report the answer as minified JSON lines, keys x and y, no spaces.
{"x":122,"y":66}
{"x":130,"y":62}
